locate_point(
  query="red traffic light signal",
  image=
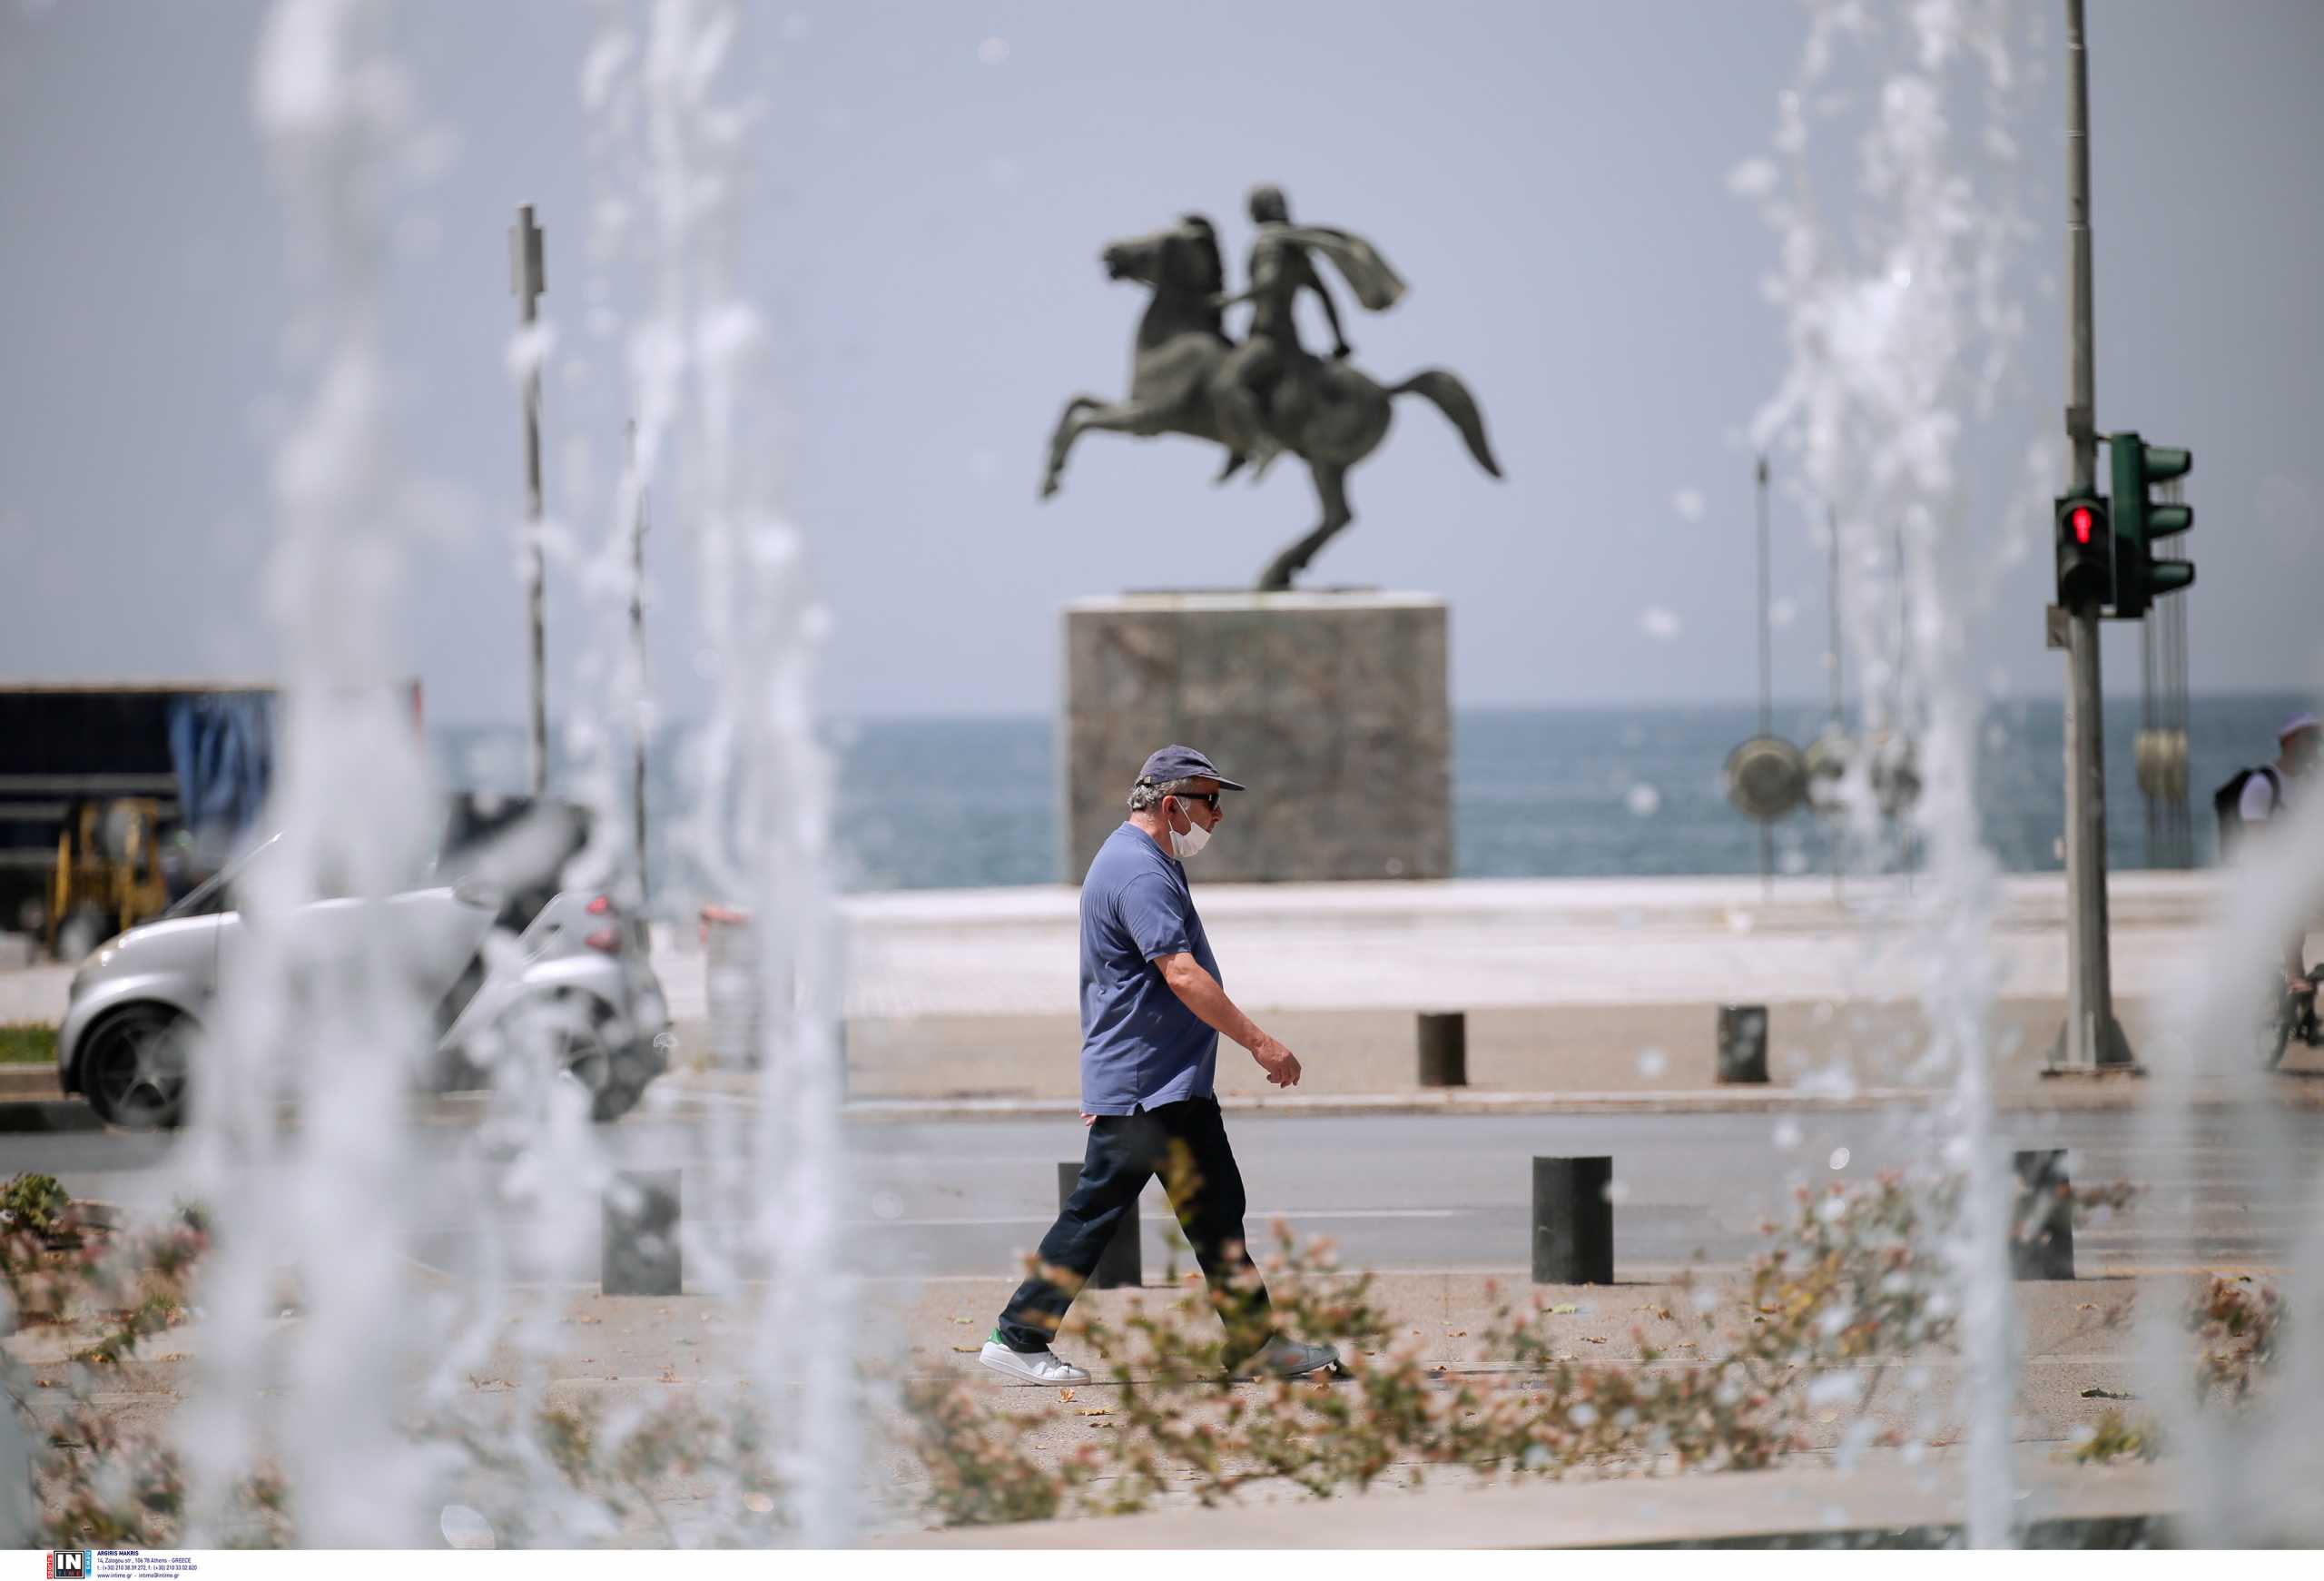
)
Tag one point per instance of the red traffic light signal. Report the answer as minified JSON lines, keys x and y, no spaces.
{"x":2085,"y":552}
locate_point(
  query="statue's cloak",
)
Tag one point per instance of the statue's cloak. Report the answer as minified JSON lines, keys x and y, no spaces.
{"x":1367,"y":274}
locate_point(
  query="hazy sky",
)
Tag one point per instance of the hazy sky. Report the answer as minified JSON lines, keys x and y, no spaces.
{"x":934,"y":183}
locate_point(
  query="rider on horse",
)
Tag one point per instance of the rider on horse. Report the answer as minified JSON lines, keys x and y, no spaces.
{"x":1186,"y":369}
{"x":1280,"y":267}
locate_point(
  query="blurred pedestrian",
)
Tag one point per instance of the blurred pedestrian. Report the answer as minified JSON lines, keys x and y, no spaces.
{"x":2258,"y":794}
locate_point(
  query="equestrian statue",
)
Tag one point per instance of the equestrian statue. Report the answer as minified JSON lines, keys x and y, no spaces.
{"x":1267,"y":394}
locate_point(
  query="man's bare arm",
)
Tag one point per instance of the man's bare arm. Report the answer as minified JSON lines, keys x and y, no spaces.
{"x":1340,"y":348}
{"x":1203,"y":996}
{"x":1267,"y":274}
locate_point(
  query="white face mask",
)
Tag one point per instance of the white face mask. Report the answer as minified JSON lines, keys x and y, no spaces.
{"x":1196,"y":837}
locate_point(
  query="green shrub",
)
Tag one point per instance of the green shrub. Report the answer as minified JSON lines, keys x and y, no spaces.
{"x":27,"y":1043}
{"x":33,"y":1202}
{"x":1852,"y":1284}
{"x":107,"y":1484}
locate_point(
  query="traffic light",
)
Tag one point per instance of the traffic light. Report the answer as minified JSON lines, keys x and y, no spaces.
{"x":2085,"y":552}
{"x":2139,"y":519}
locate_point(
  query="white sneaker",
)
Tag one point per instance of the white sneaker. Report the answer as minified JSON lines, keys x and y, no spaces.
{"x":1282,"y":1358}
{"x":1040,"y":1367}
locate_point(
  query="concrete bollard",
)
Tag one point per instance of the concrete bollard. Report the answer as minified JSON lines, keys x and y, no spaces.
{"x":640,"y":1256}
{"x":1444,"y":1048}
{"x":19,"y":1519}
{"x":1743,"y":1044}
{"x":2040,"y":1234}
{"x":1123,"y":1265}
{"x":1573,"y":1221}
{"x":738,"y":1009}
{"x":730,"y":976}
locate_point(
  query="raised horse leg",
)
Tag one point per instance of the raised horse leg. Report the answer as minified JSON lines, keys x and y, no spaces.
{"x":1331,"y":486}
{"x":1085,"y":412}
{"x":1061,"y":440}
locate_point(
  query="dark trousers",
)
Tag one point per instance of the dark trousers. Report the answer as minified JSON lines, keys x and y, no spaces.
{"x":1184,"y":1143}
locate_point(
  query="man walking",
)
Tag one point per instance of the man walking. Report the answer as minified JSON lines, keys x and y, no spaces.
{"x":1151,"y":1012}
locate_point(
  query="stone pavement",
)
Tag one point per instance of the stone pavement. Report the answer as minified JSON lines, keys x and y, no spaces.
{"x":2077,"y":1338}
{"x":33,"y":994}
{"x":638,"y":1351}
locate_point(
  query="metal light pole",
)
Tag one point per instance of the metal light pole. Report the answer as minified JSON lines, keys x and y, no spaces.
{"x":1766,"y":685}
{"x":638,"y":655}
{"x":1767,"y":777}
{"x":1837,"y":730}
{"x":1832,"y":611}
{"x":529,"y":281}
{"x":2090,"y":1038}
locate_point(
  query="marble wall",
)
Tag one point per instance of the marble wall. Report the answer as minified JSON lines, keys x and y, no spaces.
{"x":1331,"y":706}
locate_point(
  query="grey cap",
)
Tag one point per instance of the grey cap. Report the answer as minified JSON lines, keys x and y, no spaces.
{"x":1182,"y":763}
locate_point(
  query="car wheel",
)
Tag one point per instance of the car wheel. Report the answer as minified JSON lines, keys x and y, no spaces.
{"x":588,"y":1058}
{"x":135,"y":1072}
{"x":617,"y":1097}
{"x":629,"y":1071}
{"x":583,"y":1056}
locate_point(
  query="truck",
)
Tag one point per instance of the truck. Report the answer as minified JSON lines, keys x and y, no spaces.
{"x":117,"y":797}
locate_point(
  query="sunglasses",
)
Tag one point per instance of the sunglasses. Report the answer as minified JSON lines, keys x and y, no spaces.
{"x":1209,"y":798}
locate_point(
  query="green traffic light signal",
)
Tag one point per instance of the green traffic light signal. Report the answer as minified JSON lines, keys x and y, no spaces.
{"x":2168,"y":577}
{"x":2140,"y":579}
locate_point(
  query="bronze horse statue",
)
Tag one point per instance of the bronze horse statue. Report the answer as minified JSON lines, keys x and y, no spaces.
{"x":1327,"y":411}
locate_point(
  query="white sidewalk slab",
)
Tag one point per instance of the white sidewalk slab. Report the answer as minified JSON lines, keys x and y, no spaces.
{"x":1481,"y":943}
{"x":1471,"y":944}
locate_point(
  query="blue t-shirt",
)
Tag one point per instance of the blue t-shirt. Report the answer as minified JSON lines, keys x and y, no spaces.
{"x":1140,"y":1045}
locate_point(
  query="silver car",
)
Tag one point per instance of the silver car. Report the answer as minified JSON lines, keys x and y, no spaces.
{"x":578,"y":973}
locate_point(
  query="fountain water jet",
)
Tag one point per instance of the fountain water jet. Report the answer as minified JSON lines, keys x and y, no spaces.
{"x":312,"y":1222}
{"x":2244,"y":1471}
{"x":1901,"y":334}
{"x":697,"y":370}
{"x":315,"y":1004}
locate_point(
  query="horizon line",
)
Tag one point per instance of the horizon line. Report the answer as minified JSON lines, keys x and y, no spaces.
{"x":1655,"y":704}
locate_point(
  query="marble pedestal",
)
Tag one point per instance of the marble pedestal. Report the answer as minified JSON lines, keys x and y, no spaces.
{"x":1331,"y":706}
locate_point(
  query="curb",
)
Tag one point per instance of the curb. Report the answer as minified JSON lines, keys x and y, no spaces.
{"x":1789,"y":1507}
{"x":908,"y":1111}
{"x":1715,"y":1101}
{"x":53,"y":1115}
{"x":20,"y":1083}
